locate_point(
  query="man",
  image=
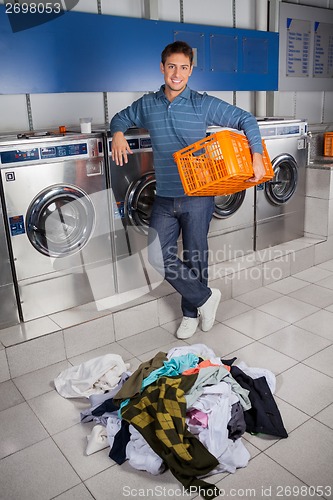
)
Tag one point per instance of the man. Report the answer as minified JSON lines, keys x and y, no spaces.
{"x":177,"y":116}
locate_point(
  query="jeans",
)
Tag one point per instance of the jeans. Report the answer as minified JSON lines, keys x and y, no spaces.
{"x":190,"y":217}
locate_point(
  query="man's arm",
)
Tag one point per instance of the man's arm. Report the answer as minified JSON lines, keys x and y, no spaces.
{"x":120,"y":148}
{"x":258,"y":168}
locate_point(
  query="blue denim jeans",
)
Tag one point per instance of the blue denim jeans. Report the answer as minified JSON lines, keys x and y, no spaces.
{"x":190,"y":217}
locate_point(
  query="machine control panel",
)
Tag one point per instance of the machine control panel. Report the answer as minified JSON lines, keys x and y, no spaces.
{"x":19,"y":155}
{"x":44,"y":153}
{"x":63,"y":150}
{"x":136,"y":143}
{"x":291,"y":130}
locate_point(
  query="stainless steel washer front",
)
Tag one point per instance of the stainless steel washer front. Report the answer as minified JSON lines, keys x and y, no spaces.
{"x":58,"y":219}
{"x":133,"y":189}
{"x":280,"y":203}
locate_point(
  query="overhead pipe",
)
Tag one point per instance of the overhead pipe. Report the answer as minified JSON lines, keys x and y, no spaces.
{"x":261,"y":24}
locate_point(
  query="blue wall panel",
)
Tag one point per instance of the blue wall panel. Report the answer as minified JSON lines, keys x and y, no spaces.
{"x":80,"y":52}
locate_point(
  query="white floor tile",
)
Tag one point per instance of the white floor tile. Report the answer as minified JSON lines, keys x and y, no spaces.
{"x":79,"y":492}
{"x":114,"y":348}
{"x":256,"y":324}
{"x":326,"y":416}
{"x":40,"y":381}
{"x":19,"y":428}
{"x":299,"y":386}
{"x":258,"y":355}
{"x":147,"y":341}
{"x":319,"y":323}
{"x":35,"y":354}
{"x":315,"y":295}
{"x":326,"y":265}
{"x":87,"y":336}
{"x":9,"y":395}
{"x":262,"y":478}
{"x":288,"y":309}
{"x":326,"y":282}
{"x":221,"y":339}
{"x":295,"y":342}
{"x":57,"y":413}
{"x":313,"y":274}
{"x":322,"y":361}
{"x":230,"y":308}
{"x":76,"y":315}
{"x":4,"y":370}
{"x":73,"y":442}
{"x":287,"y":285}
{"x":307,"y":453}
{"x":165,"y":348}
{"x":27,"y":331}
{"x":259,"y":297}
{"x":39,"y":472}
{"x":135,"y":320}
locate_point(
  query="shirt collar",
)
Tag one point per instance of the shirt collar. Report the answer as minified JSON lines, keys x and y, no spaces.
{"x":185,"y":94}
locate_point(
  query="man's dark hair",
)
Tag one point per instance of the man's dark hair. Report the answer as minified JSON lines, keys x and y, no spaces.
{"x":177,"y":47}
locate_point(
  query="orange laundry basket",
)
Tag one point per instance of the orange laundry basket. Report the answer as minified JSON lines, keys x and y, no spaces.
{"x":219,"y":164}
{"x":328,"y":144}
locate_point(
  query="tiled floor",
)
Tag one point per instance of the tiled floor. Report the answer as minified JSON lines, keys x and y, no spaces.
{"x":286,"y":327}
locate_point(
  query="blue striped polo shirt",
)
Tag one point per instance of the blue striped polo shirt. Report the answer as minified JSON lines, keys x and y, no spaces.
{"x":177,"y":124}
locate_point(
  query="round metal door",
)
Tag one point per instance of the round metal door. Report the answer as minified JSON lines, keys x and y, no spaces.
{"x":60,"y":220}
{"x":282,"y":187}
{"x":139,"y":201}
{"x":227,"y":205}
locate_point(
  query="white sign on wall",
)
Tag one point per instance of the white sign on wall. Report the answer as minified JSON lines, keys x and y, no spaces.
{"x":298,"y":44}
{"x":305,"y":48}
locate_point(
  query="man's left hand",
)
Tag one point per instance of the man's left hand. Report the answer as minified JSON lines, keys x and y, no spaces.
{"x":258,"y":168}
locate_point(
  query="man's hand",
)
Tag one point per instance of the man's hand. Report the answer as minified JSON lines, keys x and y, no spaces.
{"x":258,"y":168}
{"x":120,"y":149}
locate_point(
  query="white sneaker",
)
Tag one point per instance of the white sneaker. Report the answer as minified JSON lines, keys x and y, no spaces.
{"x":187,"y":327}
{"x":208,"y":310}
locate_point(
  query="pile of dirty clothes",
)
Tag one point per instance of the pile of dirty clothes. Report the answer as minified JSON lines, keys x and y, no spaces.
{"x":184,"y":410}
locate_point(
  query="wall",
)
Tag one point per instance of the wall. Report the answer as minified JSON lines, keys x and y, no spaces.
{"x":51,"y":110}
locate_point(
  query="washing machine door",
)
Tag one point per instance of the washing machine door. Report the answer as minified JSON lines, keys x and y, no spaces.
{"x":227,"y":205}
{"x":60,"y":220}
{"x":282,"y":187}
{"x":139,"y":201}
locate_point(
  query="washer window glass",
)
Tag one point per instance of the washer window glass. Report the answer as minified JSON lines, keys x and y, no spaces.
{"x":60,"y":220}
{"x":227,"y":205}
{"x":284,"y":183}
{"x":139,"y":201}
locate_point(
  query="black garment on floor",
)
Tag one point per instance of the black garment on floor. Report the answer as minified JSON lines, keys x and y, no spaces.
{"x":264,"y":416}
{"x":118,"y":450}
{"x":107,"y":406}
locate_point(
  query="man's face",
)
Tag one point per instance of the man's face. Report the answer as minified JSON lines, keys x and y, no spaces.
{"x":177,"y":70}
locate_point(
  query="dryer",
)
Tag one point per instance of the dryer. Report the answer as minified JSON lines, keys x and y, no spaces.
{"x":57,"y":217}
{"x":280,"y":203}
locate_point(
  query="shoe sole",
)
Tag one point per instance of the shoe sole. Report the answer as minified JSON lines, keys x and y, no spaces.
{"x":206,"y":328}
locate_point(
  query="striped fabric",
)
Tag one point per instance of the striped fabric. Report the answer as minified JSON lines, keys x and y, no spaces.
{"x":173,"y":126}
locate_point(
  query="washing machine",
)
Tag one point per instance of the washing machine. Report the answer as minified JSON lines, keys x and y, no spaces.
{"x":133,"y":189}
{"x":58,"y":220}
{"x":232,"y":227}
{"x":280,"y":202}
{"x":9,"y":313}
